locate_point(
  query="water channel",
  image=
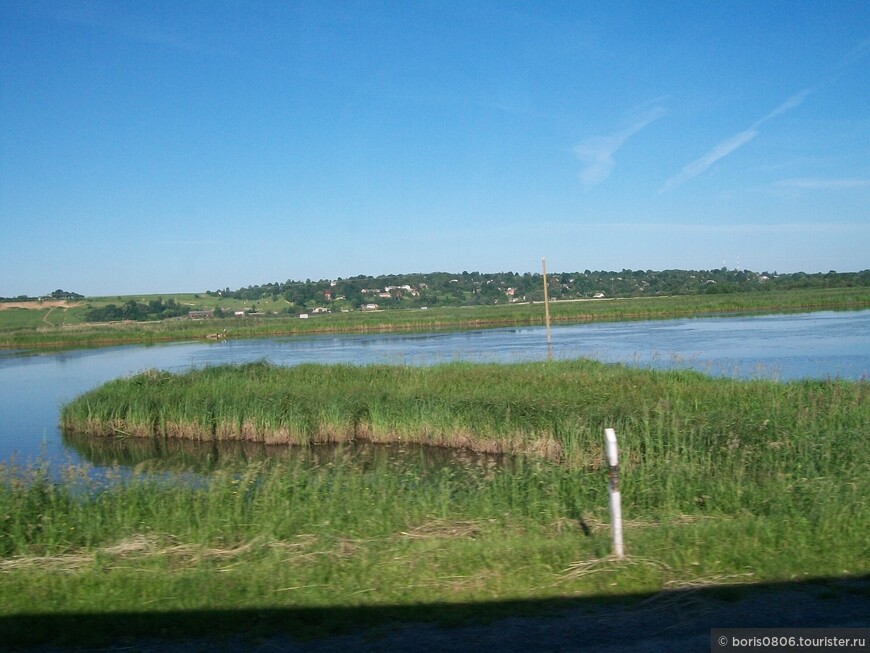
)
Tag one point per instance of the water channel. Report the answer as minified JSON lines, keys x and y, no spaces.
{"x":33,"y":386}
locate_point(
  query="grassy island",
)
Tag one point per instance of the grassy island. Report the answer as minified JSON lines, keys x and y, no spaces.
{"x":556,"y":410}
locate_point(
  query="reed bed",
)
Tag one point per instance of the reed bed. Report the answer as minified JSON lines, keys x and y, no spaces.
{"x":679,"y":429}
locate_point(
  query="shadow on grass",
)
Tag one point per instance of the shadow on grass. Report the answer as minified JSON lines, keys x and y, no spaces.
{"x":670,"y":620}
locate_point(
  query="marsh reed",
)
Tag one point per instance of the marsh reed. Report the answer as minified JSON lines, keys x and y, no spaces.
{"x":690,"y":427}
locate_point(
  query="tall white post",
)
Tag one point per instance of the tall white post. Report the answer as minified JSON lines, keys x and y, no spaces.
{"x":613,"y":491}
{"x":547,"y":309}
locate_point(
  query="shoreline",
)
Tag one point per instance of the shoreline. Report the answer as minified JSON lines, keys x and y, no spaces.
{"x":440,"y":319}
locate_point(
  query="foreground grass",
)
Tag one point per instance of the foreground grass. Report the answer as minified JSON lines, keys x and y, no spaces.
{"x":723,"y":481}
{"x":17,"y":334}
{"x":278,"y":535}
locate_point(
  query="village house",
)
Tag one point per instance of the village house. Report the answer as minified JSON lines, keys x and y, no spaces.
{"x":398,"y":291}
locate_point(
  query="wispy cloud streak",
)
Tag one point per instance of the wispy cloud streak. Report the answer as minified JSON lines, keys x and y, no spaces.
{"x":783,"y":228}
{"x":792,"y":103}
{"x":733,"y":143}
{"x":698,"y":166}
{"x":816,"y":183}
{"x":597,"y":152}
{"x":127,"y":26}
{"x":856,"y":53}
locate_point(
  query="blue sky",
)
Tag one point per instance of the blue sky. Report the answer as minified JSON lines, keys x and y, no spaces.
{"x":151,"y":147}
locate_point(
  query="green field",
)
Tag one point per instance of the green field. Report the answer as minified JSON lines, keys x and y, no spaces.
{"x":723,"y":482}
{"x":25,"y":320}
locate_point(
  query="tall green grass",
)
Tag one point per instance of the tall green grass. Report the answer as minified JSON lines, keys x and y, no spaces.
{"x":680,"y":431}
{"x":723,"y":481}
{"x":278,"y":532}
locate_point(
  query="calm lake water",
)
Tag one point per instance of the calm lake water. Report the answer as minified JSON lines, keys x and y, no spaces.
{"x":781,"y":347}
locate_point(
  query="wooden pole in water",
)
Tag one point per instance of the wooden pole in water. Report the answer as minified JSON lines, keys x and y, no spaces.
{"x":547,"y":309}
{"x":613,"y":491}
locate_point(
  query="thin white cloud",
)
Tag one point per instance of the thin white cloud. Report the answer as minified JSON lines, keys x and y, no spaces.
{"x":856,"y":53}
{"x":729,"y":145}
{"x":597,"y":152}
{"x":674,"y":228}
{"x":127,"y":26}
{"x":698,"y":166}
{"x":793,"y":102}
{"x":817,"y":183}
{"x":186,"y":243}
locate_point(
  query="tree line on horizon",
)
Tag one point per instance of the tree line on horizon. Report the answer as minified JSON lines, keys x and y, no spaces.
{"x":57,"y":294}
{"x":478,"y":288}
{"x":468,"y":289}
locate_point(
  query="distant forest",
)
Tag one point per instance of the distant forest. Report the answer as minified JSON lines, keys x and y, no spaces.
{"x":476,"y":288}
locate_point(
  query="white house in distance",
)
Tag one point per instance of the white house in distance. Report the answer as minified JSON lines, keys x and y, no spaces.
{"x":392,"y":291}
{"x":314,"y":311}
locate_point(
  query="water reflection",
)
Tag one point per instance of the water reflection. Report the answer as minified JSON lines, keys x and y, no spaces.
{"x":162,"y":455}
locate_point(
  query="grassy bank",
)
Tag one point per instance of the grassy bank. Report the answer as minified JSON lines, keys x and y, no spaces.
{"x":724,"y":481}
{"x":94,"y":335}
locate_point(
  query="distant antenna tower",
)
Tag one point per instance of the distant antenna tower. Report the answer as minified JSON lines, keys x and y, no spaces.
{"x":738,"y":262}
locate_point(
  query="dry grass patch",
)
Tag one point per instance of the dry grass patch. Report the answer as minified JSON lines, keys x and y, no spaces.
{"x":38,"y":306}
{"x":609,"y":564}
{"x":447,"y":529}
{"x":150,"y":546}
{"x":708,"y":581}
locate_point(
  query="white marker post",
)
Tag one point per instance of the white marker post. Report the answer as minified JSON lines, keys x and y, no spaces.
{"x":613,"y":490}
{"x":547,"y":309}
